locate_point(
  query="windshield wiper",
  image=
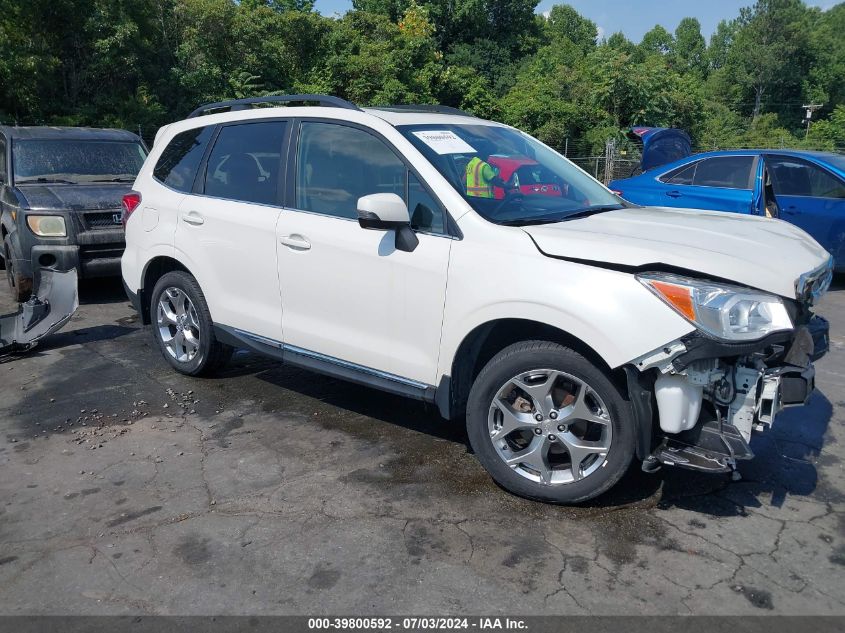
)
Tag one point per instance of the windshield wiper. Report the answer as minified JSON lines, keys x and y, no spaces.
{"x":588,"y":211}
{"x":574,"y":215}
{"x":118,"y":179}
{"x":42,"y":180}
{"x":529,"y":221}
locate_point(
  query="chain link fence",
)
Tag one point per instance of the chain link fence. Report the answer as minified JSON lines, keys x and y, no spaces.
{"x":617,"y":162}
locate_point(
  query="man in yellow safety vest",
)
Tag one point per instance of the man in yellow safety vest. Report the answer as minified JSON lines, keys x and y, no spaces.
{"x":481,"y":177}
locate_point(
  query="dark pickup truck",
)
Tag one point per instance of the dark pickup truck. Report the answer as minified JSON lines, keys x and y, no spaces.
{"x":60,"y":200}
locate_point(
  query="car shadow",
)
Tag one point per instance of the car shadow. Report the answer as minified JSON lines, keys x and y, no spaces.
{"x":102,"y":290}
{"x":784,"y":464}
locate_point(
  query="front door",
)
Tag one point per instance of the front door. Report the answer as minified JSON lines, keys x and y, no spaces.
{"x":812,"y":198}
{"x":347,"y":293}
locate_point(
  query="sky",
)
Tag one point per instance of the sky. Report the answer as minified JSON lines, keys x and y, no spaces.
{"x":633,"y":17}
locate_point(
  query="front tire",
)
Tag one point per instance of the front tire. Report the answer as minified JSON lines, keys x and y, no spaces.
{"x":182,"y":326}
{"x":548,"y":424}
{"x":19,"y":286}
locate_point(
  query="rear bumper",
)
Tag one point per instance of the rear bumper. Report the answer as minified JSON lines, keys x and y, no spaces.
{"x":134,"y":298}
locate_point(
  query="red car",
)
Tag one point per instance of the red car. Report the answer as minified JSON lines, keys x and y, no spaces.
{"x":526,"y":175}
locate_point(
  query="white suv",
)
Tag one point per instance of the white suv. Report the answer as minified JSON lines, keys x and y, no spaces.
{"x":428,"y":253}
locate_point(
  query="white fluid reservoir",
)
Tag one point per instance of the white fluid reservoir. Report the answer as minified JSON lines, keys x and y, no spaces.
{"x":678,"y":403}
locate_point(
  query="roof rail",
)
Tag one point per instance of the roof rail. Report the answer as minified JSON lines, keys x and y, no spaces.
{"x":245,"y":104}
{"x":425,"y":107}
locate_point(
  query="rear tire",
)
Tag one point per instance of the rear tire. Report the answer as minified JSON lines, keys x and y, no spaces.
{"x":19,"y":286}
{"x":548,"y":424}
{"x":182,"y":326}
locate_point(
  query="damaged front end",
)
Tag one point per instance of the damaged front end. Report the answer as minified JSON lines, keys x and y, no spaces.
{"x":708,"y":394}
{"x":51,"y":306}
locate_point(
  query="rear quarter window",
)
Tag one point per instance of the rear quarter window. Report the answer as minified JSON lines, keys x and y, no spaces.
{"x":177,"y":166}
{"x":682,"y":175}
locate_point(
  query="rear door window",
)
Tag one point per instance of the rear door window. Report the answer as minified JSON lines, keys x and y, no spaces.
{"x":177,"y":166}
{"x":244,"y":163}
{"x":728,"y":172}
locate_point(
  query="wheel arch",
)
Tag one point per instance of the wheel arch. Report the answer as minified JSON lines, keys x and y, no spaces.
{"x":488,"y":339}
{"x":155,"y":269}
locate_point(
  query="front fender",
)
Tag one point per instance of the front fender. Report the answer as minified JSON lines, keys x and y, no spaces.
{"x":608,"y":310}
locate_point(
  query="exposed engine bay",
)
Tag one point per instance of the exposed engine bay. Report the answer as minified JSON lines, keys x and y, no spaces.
{"x":710,"y":396}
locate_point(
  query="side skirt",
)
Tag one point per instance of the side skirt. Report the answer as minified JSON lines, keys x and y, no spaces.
{"x":328,"y":365}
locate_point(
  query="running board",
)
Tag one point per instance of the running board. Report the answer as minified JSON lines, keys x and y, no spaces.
{"x":706,"y":448}
{"x":49,"y":308}
{"x":326,"y":365}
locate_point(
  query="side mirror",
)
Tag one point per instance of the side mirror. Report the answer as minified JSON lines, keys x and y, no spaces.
{"x":388,"y":212}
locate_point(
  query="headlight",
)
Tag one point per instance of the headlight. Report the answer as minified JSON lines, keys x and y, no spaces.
{"x":47,"y":225}
{"x":726,"y":312}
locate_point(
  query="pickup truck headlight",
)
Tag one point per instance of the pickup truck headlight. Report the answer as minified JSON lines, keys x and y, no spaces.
{"x":727,"y":312}
{"x":47,"y":225}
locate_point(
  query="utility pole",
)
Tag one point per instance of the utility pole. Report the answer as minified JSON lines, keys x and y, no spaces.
{"x":809,"y":117}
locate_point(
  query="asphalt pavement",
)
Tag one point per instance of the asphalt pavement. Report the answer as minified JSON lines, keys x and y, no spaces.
{"x":127,"y":488}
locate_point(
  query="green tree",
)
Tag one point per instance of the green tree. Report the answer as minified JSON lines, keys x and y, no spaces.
{"x":690,"y":49}
{"x":564,"y":22}
{"x":770,"y":52}
{"x":657,"y":40}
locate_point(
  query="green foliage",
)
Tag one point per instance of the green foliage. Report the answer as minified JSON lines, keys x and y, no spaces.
{"x":565,"y":23}
{"x":690,"y":49}
{"x":142,"y":63}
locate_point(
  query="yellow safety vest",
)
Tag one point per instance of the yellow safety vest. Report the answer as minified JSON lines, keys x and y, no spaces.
{"x":479,"y":176}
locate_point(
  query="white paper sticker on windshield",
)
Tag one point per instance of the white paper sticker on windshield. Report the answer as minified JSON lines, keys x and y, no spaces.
{"x":445,"y":142}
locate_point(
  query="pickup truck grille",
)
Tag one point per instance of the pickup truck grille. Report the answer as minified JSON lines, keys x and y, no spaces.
{"x":102,"y":219}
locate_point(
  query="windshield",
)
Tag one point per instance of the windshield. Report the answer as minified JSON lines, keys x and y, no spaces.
{"x":509,"y":177}
{"x":75,"y":161}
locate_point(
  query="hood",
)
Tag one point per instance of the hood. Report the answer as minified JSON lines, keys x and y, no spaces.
{"x":758,"y":252}
{"x":72,"y":197}
{"x":662,"y":145}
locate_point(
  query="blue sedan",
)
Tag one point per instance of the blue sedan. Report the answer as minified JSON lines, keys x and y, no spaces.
{"x":804,"y":188}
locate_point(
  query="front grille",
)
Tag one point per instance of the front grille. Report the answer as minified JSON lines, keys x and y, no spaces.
{"x":102,"y":219}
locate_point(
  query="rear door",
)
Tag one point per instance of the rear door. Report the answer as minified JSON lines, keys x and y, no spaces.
{"x":226,"y":231}
{"x":812,"y":198}
{"x":718,"y":183}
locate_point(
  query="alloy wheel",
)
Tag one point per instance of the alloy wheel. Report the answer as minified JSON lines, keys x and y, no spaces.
{"x":178,"y":324}
{"x":550,"y":427}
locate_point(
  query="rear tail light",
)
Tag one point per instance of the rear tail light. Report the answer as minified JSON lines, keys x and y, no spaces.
{"x":131,"y":201}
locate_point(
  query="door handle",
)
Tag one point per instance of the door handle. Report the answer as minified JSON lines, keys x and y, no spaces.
{"x":193,"y":218}
{"x":674,"y":194}
{"x":296,"y":242}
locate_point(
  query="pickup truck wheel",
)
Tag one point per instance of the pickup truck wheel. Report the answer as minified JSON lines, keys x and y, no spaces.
{"x":182,"y":326}
{"x":20,"y":286}
{"x":547,"y":424}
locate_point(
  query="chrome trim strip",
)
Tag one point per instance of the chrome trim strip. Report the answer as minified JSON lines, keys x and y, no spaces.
{"x":331,"y":359}
{"x":354,"y":366}
{"x":260,"y":339}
